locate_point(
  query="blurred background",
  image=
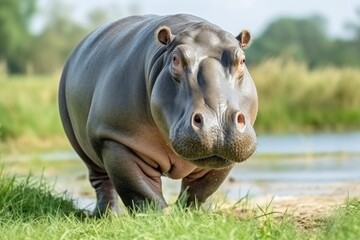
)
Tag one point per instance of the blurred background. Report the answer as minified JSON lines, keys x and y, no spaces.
{"x":305,"y":61}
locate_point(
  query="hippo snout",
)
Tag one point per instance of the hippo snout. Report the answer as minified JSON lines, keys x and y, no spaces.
{"x":216,"y":142}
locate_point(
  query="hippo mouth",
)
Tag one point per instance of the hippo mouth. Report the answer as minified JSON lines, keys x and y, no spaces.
{"x":214,"y":149}
{"x":213,"y":162}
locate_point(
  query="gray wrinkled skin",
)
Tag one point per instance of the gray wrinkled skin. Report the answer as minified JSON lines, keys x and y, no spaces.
{"x":148,"y":96}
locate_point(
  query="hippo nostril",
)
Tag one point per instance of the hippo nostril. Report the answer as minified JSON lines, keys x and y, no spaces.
{"x":197,"y":118}
{"x":197,"y":121}
{"x":240,"y":122}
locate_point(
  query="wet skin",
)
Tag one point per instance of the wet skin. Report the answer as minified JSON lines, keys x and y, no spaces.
{"x":148,"y":96}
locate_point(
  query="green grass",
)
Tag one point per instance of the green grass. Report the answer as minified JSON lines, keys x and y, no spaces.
{"x":28,"y":199}
{"x":343,"y":224}
{"x":28,"y":106}
{"x":29,"y":117}
{"x":294,"y":98}
{"x":29,"y":209}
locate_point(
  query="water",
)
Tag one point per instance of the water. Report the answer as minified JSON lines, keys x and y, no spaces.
{"x":328,"y":175}
{"x":311,"y":143}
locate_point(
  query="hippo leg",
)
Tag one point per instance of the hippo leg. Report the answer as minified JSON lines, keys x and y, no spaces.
{"x":107,"y":197}
{"x":137,"y":183}
{"x":198,"y":186}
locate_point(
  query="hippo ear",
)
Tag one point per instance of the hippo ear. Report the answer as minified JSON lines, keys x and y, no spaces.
{"x":244,"y":39}
{"x":164,"y":35}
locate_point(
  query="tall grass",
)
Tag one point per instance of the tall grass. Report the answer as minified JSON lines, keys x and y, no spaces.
{"x":294,"y":98}
{"x":28,"y":106}
{"x":291,"y":98}
{"x":30,"y":198}
{"x":29,"y":112}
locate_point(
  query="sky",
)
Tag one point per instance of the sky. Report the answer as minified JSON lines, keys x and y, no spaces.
{"x":231,"y":15}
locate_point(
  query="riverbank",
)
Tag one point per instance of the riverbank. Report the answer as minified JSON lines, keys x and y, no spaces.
{"x":283,"y":166}
{"x":261,"y":178}
{"x":292,"y":185}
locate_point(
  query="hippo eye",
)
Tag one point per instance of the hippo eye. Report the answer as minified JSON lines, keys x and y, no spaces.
{"x":239,"y":64}
{"x":176,"y":59}
{"x":176,"y":64}
{"x":240,"y":57}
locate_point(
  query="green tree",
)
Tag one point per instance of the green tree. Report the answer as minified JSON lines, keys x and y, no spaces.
{"x":345,"y":50}
{"x":60,"y":35}
{"x":354,"y":27}
{"x":15,"y":16}
{"x":300,"y":39}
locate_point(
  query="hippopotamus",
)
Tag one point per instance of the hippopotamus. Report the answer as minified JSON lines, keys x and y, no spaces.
{"x":151,"y":96}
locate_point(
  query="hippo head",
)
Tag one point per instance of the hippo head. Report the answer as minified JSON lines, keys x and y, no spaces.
{"x":203,"y":98}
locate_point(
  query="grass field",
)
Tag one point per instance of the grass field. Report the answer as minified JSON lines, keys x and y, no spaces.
{"x":29,"y":117}
{"x":292,"y":98}
{"x":29,"y":209}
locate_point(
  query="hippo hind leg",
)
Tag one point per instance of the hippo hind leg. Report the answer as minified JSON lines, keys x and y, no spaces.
{"x":107,"y":198}
{"x":106,"y":195}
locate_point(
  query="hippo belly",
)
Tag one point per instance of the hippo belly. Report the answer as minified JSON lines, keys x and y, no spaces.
{"x":148,"y":96}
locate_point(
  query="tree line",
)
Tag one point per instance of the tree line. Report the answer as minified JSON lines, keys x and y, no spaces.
{"x":305,"y":40}
{"x":21,"y":51}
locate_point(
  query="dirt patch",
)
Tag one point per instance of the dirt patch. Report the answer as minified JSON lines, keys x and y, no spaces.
{"x":307,"y":200}
{"x":307,"y":211}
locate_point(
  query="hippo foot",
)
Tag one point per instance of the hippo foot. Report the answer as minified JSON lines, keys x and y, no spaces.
{"x":106,"y":195}
{"x":105,"y":208}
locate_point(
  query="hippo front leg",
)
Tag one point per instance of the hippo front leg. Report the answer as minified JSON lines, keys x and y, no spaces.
{"x":198,"y":186}
{"x":136,"y":182}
